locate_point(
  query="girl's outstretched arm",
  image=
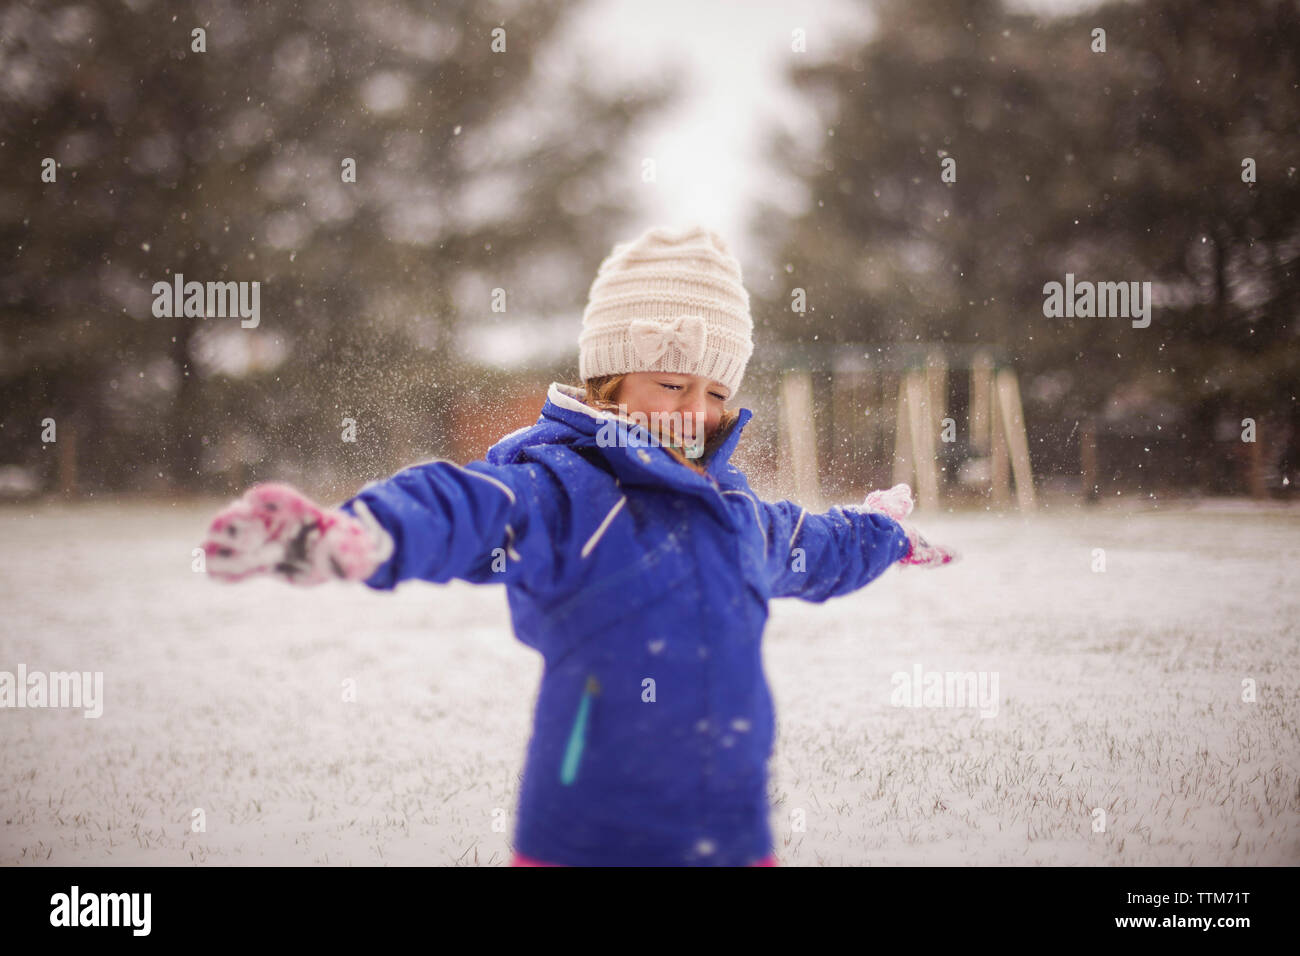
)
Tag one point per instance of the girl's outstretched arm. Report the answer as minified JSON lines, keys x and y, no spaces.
{"x":434,"y":522}
{"x":479,"y":522}
{"x":820,"y":556}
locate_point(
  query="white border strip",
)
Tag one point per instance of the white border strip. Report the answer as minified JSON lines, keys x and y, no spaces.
{"x":596,"y":535}
{"x":797,"y":526}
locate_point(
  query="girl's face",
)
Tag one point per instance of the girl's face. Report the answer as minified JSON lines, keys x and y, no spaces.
{"x":669,"y":392}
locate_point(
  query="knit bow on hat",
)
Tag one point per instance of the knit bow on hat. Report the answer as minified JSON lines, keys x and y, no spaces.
{"x":653,"y":337}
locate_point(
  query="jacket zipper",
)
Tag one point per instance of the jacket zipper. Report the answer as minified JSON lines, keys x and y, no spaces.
{"x":578,"y":735}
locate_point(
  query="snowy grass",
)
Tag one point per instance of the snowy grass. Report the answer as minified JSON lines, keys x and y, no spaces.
{"x":1119,"y":690}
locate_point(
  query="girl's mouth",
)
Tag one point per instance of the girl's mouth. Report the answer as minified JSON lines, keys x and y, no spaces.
{"x":688,"y":444}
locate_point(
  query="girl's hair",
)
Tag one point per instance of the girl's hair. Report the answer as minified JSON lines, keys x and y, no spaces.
{"x":600,"y":392}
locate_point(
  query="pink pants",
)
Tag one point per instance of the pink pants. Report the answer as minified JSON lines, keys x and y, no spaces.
{"x":521,"y":860}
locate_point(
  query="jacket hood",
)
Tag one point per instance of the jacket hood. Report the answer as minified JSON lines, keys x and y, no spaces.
{"x":627,"y":446}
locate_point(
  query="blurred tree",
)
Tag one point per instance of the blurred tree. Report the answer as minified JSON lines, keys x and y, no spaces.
{"x":888,"y":250}
{"x":227,"y":165}
{"x":1115,"y":166}
{"x":1188,"y":95}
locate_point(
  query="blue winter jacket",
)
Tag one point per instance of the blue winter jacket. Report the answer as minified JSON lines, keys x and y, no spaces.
{"x":644,"y":585}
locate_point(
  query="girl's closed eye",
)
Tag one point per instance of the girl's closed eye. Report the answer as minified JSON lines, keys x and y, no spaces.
{"x":671,"y":386}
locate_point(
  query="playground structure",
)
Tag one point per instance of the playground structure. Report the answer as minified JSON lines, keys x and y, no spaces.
{"x":914,"y":380}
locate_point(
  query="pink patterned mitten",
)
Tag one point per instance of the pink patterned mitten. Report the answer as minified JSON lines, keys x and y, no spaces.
{"x":923,"y":553}
{"x":275,"y":529}
{"x":897,"y":503}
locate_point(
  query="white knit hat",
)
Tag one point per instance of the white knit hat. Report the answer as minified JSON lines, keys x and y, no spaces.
{"x":670,"y":300}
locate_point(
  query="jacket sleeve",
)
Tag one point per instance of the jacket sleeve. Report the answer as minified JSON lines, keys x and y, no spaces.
{"x":478,"y":522}
{"x":820,"y":556}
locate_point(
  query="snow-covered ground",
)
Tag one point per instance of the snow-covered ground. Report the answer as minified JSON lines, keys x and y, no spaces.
{"x":1120,"y":690}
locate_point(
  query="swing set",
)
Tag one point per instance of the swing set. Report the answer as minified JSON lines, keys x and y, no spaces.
{"x":868,"y":377}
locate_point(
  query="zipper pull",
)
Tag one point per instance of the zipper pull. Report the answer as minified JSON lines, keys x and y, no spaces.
{"x":578,"y":735}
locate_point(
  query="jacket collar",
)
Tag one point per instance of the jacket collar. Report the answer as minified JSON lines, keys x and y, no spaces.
{"x":627,"y":446}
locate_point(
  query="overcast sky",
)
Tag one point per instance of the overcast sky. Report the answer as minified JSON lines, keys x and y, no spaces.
{"x":707,"y":152}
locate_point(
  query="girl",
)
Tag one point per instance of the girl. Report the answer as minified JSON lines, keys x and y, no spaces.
{"x":636,"y":560}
